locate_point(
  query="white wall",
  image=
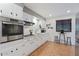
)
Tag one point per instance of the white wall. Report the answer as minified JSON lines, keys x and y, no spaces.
{"x":53,"y":32}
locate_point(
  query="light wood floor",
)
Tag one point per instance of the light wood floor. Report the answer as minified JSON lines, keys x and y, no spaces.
{"x":54,"y":49}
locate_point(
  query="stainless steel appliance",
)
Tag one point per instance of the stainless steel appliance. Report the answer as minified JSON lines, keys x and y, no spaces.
{"x":13,"y":30}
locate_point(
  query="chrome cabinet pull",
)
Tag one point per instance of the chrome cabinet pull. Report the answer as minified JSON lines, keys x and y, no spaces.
{"x":1,"y":54}
{"x":16,"y":14}
{"x":11,"y":51}
{"x":11,"y":13}
{"x":16,"y":49}
{"x":1,"y":11}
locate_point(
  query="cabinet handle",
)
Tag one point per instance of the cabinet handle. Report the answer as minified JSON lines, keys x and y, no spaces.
{"x":16,"y":14}
{"x":16,"y":49}
{"x":11,"y":13}
{"x":11,"y":51}
{"x":1,"y":11}
{"x":1,"y":54}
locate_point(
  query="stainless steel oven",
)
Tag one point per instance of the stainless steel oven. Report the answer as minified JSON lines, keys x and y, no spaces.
{"x":12,"y":30}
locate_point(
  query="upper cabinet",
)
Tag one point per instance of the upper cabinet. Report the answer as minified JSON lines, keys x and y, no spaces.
{"x":27,"y":17}
{"x":11,"y":10}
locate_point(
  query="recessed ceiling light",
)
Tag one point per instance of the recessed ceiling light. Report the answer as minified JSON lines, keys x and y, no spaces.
{"x":68,"y":11}
{"x":50,"y":15}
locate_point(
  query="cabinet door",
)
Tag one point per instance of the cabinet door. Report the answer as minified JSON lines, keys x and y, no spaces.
{"x":2,"y":10}
{"x":7,"y":52}
{"x":19,"y":51}
{"x":18,"y":14}
{"x":27,"y":17}
{"x":11,"y":11}
{"x":17,"y":11}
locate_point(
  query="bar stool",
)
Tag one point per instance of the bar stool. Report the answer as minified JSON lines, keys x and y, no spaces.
{"x":69,"y":40}
{"x":62,"y":33}
{"x":56,"y":39}
{"x":61,"y":36}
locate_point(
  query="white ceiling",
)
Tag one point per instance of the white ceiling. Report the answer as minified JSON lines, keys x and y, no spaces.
{"x":55,"y":9}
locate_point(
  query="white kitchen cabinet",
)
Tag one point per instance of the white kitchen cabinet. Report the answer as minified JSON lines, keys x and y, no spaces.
{"x":11,"y":10}
{"x":19,"y":50}
{"x":2,"y":10}
{"x":18,"y":14}
{"x":27,"y":17}
{"x":22,"y":47}
{"x":17,"y":11}
{"x":12,"y":50}
{"x":7,"y":52}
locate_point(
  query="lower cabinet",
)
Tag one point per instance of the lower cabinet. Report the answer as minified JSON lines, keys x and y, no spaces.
{"x":8,"y":52}
{"x":23,"y":47}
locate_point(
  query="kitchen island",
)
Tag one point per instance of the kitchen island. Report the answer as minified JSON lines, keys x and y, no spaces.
{"x":24,"y":46}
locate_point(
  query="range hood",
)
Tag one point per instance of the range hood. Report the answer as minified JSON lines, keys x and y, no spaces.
{"x":27,"y":23}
